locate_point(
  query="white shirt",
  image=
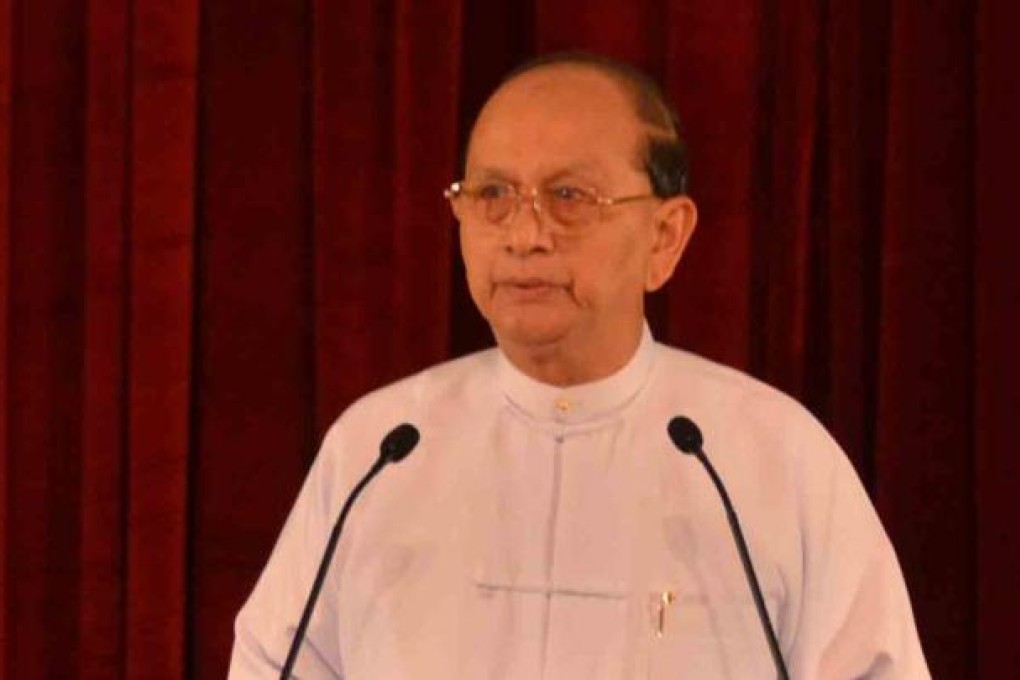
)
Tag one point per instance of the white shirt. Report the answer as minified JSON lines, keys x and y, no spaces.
{"x":535,"y":531}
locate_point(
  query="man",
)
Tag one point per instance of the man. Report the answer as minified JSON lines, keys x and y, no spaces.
{"x":546,"y":526}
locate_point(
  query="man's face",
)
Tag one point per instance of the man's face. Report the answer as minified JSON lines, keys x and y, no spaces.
{"x":562,"y":126}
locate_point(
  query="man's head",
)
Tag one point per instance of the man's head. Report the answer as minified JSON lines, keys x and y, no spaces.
{"x":663,"y":152}
{"x":562,"y":278}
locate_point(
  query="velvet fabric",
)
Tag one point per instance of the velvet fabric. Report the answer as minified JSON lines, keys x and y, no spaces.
{"x":221,"y":222}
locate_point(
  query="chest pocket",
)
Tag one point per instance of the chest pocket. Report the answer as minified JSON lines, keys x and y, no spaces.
{"x":567,"y":630}
{"x":691,"y":635}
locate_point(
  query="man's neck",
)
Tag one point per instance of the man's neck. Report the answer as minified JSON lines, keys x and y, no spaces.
{"x":564,"y":363}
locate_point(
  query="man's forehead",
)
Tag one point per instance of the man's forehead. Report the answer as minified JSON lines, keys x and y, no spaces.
{"x":554,"y":103}
{"x":581,"y":87}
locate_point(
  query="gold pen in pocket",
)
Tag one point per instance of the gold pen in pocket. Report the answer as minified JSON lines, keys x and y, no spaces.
{"x":660,"y":603}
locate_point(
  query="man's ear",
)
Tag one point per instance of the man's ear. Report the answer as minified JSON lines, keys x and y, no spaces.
{"x":674,"y":223}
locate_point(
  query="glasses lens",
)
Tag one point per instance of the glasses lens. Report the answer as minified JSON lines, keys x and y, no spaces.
{"x":494,"y":202}
{"x":570,"y":206}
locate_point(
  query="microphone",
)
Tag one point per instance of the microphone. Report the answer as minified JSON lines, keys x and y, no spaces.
{"x":394,"y":448}
{"x":686,"y":436}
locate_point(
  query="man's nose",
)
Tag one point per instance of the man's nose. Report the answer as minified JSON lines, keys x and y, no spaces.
{"x":525,"y":200}
{"x":532,"y":199}
{"x":526,"y":230}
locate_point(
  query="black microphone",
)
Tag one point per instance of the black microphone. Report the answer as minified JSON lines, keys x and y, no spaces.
{"x":395,"y":446}
{"x":686,"y":436}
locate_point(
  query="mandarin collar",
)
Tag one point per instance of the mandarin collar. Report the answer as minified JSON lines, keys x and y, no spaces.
{"x":578,"y":404}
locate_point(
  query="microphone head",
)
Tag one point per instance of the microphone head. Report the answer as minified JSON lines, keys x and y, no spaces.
{"x":685,"y":435}
{"x":399,"y":442}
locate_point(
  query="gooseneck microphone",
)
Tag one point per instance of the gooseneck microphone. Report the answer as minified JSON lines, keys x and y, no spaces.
{"x":686,"y":436}
{"x":395,"y":446}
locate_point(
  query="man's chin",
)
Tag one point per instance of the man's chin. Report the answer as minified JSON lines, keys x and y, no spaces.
{"x":531,"y":334}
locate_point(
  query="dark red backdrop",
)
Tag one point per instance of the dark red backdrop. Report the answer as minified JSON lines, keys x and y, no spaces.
{"x":221,"y":224}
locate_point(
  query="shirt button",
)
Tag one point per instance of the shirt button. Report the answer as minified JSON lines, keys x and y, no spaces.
{"x":563,"y":405}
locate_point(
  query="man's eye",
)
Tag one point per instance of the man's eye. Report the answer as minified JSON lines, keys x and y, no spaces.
{"x":569,"y":195}
{"x":492,"y":192}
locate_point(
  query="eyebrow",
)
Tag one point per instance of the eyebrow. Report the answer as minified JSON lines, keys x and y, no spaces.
{"x":579,"y":168}
{"x":488,"y":172}
{"x":588,"y":171}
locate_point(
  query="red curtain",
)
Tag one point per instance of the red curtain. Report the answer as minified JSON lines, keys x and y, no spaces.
{"x":221,"y":222}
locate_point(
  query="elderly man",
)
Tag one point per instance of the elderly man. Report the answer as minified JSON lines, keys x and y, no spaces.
{"x":546,"y":526}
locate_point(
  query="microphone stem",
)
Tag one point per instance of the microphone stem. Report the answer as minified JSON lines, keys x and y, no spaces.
{"x":745,"y":558}
{"x":327,"y":558}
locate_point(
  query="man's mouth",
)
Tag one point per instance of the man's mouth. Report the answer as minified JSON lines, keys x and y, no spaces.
{"x":528,"y":284}
{"x":529,"y":288}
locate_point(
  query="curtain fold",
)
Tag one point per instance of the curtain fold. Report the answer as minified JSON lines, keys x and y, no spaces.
{"x":841,"y":369}
{"x":44,"y":381}
{"x":220,"y":225}
{"x":163,"y":55}
{"x":103,"y":464}
{"x":6,"y":97}
{"x":926,"y":334}
{"x":995,"y":301}
{"x":385,"y":147}
{"x":718,"y":95}
{"x":252,"y":383}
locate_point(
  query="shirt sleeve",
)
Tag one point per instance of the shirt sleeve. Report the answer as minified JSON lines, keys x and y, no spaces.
{"x":856,"y":619}
{"x":266,"y":624}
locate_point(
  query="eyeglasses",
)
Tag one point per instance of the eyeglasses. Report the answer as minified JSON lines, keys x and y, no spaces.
{"x":497,"y":203}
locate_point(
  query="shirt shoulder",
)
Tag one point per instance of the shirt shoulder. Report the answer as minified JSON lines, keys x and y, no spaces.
{"x":737,"y":412}
{"x":685,"y":371}
{"x":441,"y":394}
{"x":456,"y":379}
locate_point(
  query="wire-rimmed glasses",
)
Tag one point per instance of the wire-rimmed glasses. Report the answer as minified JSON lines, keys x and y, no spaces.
{"x":568,"y":208}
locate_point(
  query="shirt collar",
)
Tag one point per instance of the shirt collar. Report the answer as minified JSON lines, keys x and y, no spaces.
{"x":578,"y":404}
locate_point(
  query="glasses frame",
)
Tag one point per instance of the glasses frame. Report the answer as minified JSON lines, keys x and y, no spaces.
{"x":460,"y":188}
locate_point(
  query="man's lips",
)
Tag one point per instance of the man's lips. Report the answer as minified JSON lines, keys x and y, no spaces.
{"x":528,"y":283}
{"x":529,"y":288}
